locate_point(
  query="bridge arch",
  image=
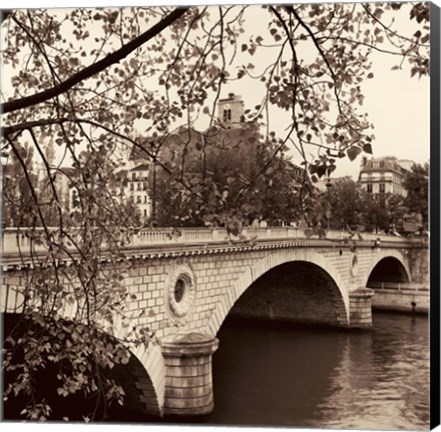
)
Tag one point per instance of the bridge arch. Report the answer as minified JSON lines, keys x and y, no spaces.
{"x":142,"y":378}
{"x":145,"y":371}
{"x":340,"y":294}
{"x":145,"y":374}
{"x":387,"y":264}
{"x":141,"y":390}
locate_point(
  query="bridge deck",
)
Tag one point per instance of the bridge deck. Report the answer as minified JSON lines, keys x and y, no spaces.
{"x":165,"y":242}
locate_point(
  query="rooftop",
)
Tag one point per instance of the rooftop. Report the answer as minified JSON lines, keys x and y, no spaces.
{"x":382,"y":165}
{"x":142,"y":167}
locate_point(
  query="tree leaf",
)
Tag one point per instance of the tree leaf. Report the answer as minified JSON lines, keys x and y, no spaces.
{"x":308,"y":232}
{"x":353,"y":152}
{"x":367,"y":148}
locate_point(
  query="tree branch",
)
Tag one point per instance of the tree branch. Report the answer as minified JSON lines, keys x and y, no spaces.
{"x":5,"y":13}
{"x":94,"y":68}
{"x":291,"y":10}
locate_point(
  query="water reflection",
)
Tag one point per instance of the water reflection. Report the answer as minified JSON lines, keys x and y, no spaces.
{"x":275,"y":374}
{"x":382,"y":381}
{"x":254,"y":377}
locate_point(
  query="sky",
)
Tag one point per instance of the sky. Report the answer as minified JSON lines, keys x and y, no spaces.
{"x":398,"y":106}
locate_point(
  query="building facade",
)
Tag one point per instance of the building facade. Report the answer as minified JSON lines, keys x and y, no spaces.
{"x":383,"y":175}
{"x":231,"y":111}
{"x":137,"y":185}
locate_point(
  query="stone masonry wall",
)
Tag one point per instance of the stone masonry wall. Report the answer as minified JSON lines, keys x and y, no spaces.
{"x":418,"y":260}
{"x":215,"y":276}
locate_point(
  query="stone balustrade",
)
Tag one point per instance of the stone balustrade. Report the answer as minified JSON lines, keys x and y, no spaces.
{"x":18,"y":240}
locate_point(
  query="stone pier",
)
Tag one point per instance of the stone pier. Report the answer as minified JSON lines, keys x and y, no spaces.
{"x":188,"y":381}
{"x":360,"y":308}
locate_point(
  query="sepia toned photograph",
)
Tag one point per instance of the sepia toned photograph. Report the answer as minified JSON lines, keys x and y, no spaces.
{"x":218,"y":215}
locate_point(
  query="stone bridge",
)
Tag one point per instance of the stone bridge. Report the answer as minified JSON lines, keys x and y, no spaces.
{"x":192,"y":279}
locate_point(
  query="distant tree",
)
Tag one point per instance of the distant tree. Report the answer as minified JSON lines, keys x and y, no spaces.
{"x":228,"y":173}
{"x":381,"y":212}
{"x":416,"y":184}
{"x":396,"y":208}
{"x":279,"y":192}
{"x":345,"y":204}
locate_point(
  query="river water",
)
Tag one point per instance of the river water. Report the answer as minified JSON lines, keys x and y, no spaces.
{"x":268,"y":373}
{"x":274,"y":374}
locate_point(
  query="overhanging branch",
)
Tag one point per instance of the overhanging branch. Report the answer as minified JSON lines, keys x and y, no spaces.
{"x":93,"y":69}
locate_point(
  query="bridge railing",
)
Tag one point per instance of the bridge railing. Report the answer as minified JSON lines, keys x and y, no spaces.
{"x":16,"y":240}
{"x":399,"y":286}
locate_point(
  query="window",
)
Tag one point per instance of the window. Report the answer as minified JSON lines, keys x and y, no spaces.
{"x":382,"y":188}
{"x":138,"y":199}
{"x":227,"y":114}
{"x":133,"y":176}
{"x":381,"y":164}
{"x":139,"y":186}
{"x":74,"y":199}
{"x":144,"y":186}
{"x":132,"y":187}
{"x":145,"y":199}
{"x":145,"y":213}
{"x":369,"y":188}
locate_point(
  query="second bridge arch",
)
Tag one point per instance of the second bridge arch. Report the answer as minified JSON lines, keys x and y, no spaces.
{"x":297,"y":291}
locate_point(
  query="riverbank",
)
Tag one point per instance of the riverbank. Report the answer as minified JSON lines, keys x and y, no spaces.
{"x":401,"y":298}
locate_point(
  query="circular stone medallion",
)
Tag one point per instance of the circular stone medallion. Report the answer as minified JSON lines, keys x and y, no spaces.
{"x":180,"y":291}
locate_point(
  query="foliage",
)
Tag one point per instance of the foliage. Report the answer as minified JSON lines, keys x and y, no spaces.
{"x":16,"y":192}
{"x":346,"y":204}
{"x":417,"y":185}
{"x":87,"y":81}
{"x":90,"y":237}
{"x":379,"y":212}
{"x":231,"y":173}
